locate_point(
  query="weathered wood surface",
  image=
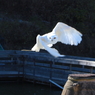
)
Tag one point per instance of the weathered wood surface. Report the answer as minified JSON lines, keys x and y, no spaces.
{"x":42,"y":66}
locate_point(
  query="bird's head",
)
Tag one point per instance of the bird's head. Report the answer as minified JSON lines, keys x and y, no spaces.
{"x":52,"y":38}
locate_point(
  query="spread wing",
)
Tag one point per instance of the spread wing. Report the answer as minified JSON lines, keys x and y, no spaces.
{"x":67,"y":34}
{"x":52,"y":51}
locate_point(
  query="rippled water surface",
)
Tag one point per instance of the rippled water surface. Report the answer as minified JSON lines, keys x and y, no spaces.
{"x":10,"y":88}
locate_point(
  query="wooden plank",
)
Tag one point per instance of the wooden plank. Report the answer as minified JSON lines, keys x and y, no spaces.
{"x":80,"y":69}
{"x":6,"y":52}
{"x":6,"y":61}
{"x":61,"y":67}
{"x":78,"y":62}
{"x":9,"y":72}
{"x":42,"y":64}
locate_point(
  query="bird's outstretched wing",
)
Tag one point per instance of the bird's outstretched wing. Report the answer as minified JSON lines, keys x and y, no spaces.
{"x":38,"y":45}
{"x":52,"y":51}
{"x":67,"y":34}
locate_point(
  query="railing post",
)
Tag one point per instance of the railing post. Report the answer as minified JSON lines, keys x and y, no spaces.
{"x":24,"y":57}
{"x":34,"y":70}
{"x":51,"y":70}
{"x":18,"y":66}
{"x":52,"y":63}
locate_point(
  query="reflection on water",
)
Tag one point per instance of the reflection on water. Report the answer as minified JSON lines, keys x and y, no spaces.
{"x":10,"y":88}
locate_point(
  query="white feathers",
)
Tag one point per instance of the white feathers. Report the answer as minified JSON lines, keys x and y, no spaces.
{"x":61,"y":33}
{"x":67,"y":34}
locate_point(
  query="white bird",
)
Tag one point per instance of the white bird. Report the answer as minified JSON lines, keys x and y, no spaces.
{"x":61,"y":33}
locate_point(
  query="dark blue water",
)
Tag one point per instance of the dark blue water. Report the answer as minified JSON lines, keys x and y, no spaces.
{"x":11,"y":88}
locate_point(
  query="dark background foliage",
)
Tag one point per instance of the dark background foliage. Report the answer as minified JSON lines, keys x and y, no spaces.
{"x":22,"y":20}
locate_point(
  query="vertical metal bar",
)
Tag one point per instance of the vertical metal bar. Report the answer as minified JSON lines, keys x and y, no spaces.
{"x":56,"y":84}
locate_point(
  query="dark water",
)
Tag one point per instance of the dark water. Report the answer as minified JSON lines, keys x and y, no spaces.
{"x":11,"y":88}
